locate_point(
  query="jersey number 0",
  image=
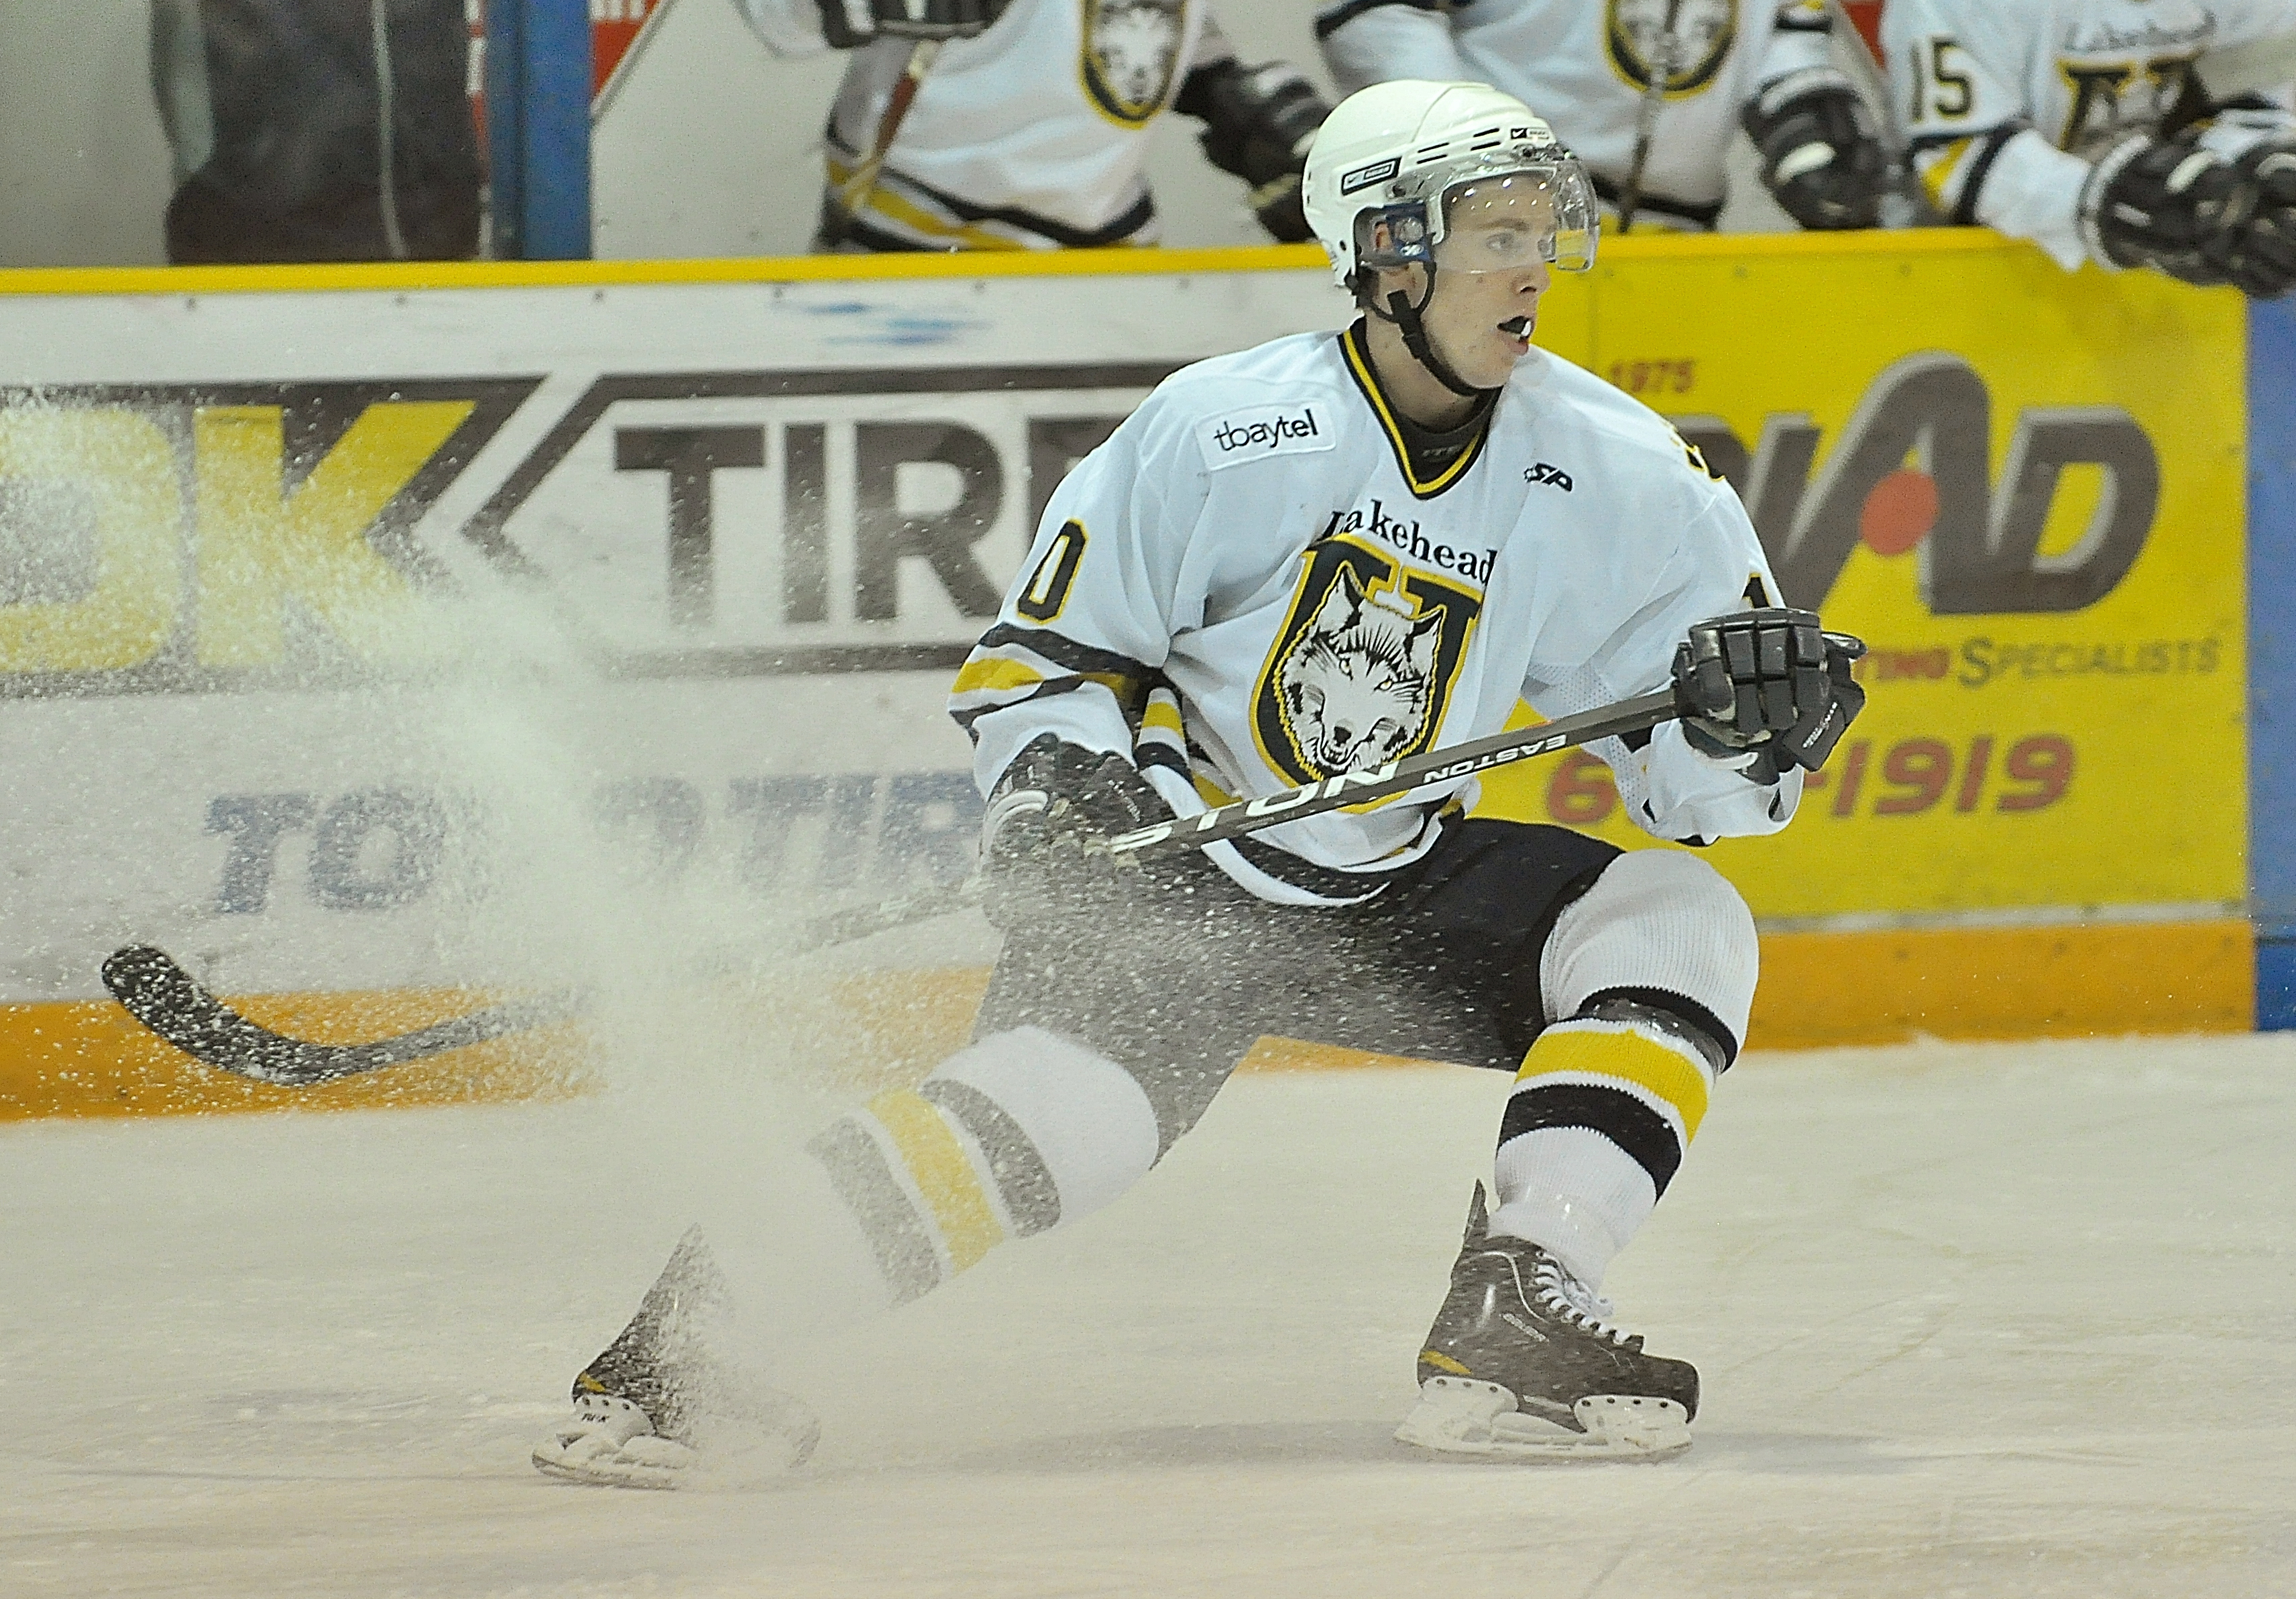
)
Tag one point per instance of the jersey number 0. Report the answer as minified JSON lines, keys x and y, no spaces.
{"x":1046,"y":590}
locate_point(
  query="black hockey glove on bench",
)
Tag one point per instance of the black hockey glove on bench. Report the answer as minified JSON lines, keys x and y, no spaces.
{"x":1769,"y":681}
{"x":1258,"y":122}
{"x":1049,"y":814}
{"x":2172,"y":205}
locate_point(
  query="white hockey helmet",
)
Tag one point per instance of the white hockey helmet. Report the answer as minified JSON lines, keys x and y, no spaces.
{"x":1393,"y":161}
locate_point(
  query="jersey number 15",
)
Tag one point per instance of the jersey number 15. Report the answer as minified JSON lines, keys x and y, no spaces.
{"x":1937,"y":89}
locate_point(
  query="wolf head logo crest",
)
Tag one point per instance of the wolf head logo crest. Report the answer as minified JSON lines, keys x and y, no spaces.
{"x":1356,"y":686}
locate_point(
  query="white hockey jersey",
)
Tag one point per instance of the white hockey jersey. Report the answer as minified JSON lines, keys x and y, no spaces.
{"x":1032,"y":135}
{"x":2006,"y":108}
{"x":1585,"y":66}
{"x":1249,"y":588}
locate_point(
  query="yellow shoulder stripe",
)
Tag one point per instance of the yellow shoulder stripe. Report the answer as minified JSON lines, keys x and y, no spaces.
{"x":993,"y":674}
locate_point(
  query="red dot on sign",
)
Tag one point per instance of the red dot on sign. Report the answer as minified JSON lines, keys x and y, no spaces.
{"x":1900,"y":512}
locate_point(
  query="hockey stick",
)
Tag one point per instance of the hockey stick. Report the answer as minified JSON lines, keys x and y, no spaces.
{"x":862,"y":179}
{"x":1653,"y":101}
{"x":1397,"y":777}
{"x":172,"y":1004}
{"x":169,"y":1001}
{"x":1873,"y":83}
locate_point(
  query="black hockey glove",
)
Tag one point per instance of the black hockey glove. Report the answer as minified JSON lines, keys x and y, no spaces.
{"x":2258,"y":256}
{"x":1821,"y":155}
{"x":1258,"y":122}
{"x":1048,"y":815}
{"x":1770,"y":681}
{"x":850,"y":24}
{"x":2169,"y":204}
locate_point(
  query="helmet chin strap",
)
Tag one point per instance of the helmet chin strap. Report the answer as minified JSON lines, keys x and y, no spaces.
{"x":1405,"y":316}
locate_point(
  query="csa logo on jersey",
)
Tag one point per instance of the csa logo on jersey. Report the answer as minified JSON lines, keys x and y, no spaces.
{"x":1362,"y":670}
{"x":1131,"y":49}
{"x":1635,"y":30}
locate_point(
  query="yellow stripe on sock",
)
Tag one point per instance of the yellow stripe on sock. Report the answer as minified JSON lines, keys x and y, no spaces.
{"x":943,"y":1174}
{"x":1627,"y":1056}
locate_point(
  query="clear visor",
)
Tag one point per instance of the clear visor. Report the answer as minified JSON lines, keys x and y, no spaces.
{"x":1504,"y":221}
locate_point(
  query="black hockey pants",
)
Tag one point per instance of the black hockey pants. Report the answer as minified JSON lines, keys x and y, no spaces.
{"x":1176,"y":986}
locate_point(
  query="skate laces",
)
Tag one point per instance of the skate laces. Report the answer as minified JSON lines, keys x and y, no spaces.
{"x":1558,"y":1289}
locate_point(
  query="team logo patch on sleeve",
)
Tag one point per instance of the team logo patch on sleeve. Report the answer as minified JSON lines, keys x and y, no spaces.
{"x":1255,"y":435}
{"x":1131,"y":48}
{"x":1686,"y":40}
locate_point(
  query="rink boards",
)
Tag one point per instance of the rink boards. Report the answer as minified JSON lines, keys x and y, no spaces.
{"x":376,"y":639}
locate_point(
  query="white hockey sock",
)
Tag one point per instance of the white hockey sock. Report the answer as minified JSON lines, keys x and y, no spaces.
{"x":1652,"y":972}
{"x":1602,"y":1115}
{"x":1009,"y":1136}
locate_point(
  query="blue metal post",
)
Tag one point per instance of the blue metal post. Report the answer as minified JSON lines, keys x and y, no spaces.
{"x":2272,"y":656}
{"x":538,"y":127}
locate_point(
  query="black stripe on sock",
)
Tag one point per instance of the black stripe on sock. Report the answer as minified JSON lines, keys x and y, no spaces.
{"x":1680,"y":1007}
{"x":858,"y":1170}
{"x":1162,"y":755}
{"x":1625,"y":1120}
{"x":1030,"y":1196}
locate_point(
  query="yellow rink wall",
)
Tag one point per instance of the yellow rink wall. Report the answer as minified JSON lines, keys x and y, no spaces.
{"x":90,"y":1059}
{"x":2024,"y":487}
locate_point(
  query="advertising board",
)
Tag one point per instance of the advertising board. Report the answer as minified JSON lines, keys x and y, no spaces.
{"x":375,"y":639}
{"x":2025,"y":490}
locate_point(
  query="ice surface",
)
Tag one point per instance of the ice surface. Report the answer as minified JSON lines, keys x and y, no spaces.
{"x":1985,"y":1320}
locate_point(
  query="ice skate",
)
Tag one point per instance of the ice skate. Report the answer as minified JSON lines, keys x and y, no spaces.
{"x":1521,"y":1364}
{"x":658,"y":1410}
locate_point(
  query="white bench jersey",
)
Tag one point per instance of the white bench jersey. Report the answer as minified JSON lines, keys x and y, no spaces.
{"x":1032,"y":135}
{"x":1249,"y":588}
{"x":2007,"y":107}
{"x":1584,"y":65}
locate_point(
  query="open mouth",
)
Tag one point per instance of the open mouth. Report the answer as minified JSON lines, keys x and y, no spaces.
{"x":1516,"y":327}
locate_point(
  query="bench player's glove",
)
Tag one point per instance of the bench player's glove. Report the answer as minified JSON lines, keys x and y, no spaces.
{"x":850,"y":24}
{"x":1770,"y":681}
{"x":1048,"y":816}
{"x":2258,"y":255}
{"x":2170,"y":204}
{"x":1821,"y":154}
{"x":1258,"y":122}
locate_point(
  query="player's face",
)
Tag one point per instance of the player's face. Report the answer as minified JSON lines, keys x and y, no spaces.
{"x":1492,"y":266}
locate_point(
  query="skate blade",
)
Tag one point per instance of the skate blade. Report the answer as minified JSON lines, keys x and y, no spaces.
{"x":736,"y":1458}
{"x":591,"y":1456}
{"x":1480,"y":1420}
